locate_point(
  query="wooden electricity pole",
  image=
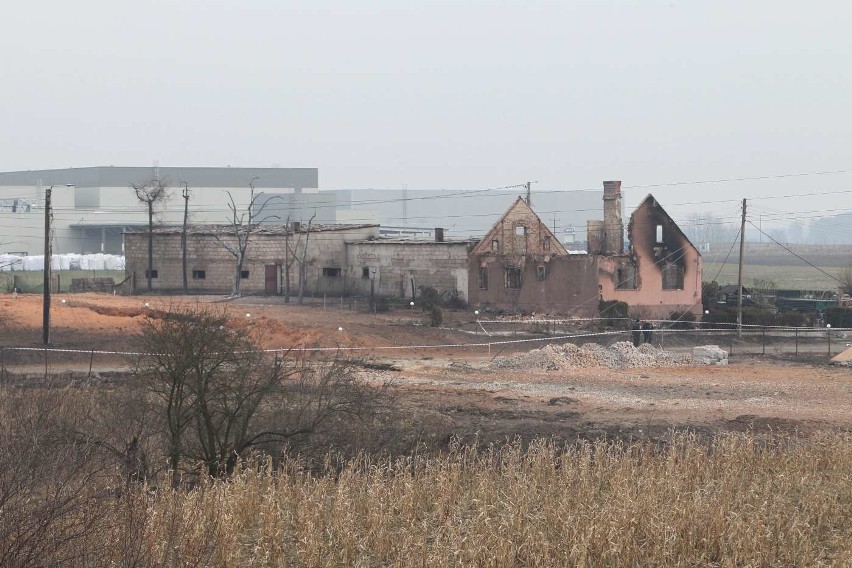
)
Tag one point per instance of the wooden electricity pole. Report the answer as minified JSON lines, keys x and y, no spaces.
{"x":740,"y":275}
{"x":48,"y":247}
{"x":183,"y":234}
{"x":45,"y":329}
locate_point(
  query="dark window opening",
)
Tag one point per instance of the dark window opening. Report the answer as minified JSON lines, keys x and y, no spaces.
{"x":541,"y":272}
{"x":244,"y":273}
{"x":365,"y":272}
{"x":672,"y":277}
{"x":153,"y":273}
{"x":625,"y":278}
{"x":483,"y":278}
{"x":513,"y":278}
{"x":546,"y":244}
{"x":331,"y":272}
{"x":199,"y":275}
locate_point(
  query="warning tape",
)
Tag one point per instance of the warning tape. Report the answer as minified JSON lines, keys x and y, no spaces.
{"x":487,"y":344}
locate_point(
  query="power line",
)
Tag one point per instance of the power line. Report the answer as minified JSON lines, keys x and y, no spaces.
{"x":797,"y":255}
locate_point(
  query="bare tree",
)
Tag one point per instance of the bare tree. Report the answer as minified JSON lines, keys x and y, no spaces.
{"x":150,"y":194}
{"x":220,"y":395}
{"x":243,"y":224}
{"x":300,"y":257}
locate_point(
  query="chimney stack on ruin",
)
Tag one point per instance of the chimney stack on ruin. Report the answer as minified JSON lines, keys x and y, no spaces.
{"x":612,"y":224}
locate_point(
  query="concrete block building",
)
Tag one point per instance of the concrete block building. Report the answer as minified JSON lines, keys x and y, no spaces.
{"x":397,"y":267}
{"x":272,"y":258}
{"x":339,"y":260}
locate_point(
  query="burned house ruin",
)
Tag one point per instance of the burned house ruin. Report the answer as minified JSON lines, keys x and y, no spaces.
{"x":521,"y":266}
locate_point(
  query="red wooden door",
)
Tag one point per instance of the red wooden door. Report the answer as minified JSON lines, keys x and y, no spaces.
{"x":271,"y":279}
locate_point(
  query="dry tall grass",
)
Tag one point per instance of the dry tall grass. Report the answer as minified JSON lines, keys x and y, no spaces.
{"x":738,"y":501}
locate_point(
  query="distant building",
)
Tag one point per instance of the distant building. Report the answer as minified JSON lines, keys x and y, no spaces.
{"x":660,"y":273}
{"x":521,"y":266}
{"x":91,"y":216}
{"x":273,"y":258}
{"x":339,"y":260}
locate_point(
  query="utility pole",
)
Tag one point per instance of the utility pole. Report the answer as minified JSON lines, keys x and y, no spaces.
{"x":45,"y":326}
{"x":529,"y":197}
{"x":48,"y":247}
{"x":740,"y":275}
{"x":183,"y":234}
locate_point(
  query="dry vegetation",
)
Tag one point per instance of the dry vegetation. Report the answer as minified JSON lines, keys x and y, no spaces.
{"x":114,"y":474}
{"x":736,"y":500}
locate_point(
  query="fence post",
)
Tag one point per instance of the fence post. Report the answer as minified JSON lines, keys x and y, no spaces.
{"x":91,"y":360}
{"x":797,"y":342}
{"x":763,"y":329}
{"x":2,"y":362}
{"x":828,"y":334}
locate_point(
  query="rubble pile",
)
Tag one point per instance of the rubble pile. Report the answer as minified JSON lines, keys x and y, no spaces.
{"x":710,"y":355}
{"x":621,"y":355}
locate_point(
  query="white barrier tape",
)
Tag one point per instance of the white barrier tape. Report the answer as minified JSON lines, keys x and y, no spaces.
{"x":680,"y":322}
{"x":438,"y":346}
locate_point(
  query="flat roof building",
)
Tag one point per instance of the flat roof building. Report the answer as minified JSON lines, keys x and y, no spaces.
{"x":91,"y":216}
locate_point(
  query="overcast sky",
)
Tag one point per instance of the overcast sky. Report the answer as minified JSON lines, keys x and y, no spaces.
{"x":460,"y":95}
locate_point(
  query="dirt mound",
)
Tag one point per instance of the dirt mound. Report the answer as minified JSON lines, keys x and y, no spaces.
{"x":114,"y":311}
{"x":621,"y":355}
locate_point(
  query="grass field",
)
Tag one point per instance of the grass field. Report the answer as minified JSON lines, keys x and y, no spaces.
{"x":795,"y":276}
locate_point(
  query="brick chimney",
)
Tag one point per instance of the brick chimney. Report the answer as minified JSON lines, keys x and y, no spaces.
{"x":613,"y":225}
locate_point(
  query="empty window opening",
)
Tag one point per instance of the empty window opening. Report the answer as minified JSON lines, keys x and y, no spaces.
{"x":495,"y":245}
{"x":541,"y":272}
{"x":672,"y":277}
{"x":365,"y":272}
{"x":199,"y":274}
{"x":153,"y":273}
{"x":546,"y":244}
{"x":659,"y":234}
{"x":331,"y":272}
{"x":513,"y":278}
{"x":625,"y":278}
{"x":483,"y":278}
{"x":520,"y":230}
{"x":244,"y":274}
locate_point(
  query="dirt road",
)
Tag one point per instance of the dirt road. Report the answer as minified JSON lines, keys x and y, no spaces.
{"x":448,"y":392}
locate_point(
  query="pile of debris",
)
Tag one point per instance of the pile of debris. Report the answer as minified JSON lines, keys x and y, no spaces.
{"x":710,"y":355}
{"x":621,"y":355}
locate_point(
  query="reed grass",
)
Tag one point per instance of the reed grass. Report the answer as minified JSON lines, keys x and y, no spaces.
{"x":738,"y":500}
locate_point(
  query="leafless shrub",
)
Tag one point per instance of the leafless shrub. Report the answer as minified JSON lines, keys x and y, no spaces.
{"x":219,"y":396}
{"x":51,"y":485}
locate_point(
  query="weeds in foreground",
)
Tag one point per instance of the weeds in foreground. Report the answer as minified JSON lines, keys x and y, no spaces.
{"x":738,"y":500}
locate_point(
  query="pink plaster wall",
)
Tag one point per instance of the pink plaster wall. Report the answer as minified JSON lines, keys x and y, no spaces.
{"x":649,"y":300}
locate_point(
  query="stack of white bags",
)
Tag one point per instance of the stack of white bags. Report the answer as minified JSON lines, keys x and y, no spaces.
{"x":10,"y":262}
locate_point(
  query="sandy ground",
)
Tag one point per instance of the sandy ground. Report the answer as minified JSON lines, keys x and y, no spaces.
{"x":448,"y":392}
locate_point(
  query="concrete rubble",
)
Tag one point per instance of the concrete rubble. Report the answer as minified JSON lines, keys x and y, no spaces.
{"x":621,"y":355}
{"x":710,"y":355}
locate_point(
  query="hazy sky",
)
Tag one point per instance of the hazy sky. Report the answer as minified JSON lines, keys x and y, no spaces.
{"x":460,"y":95}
